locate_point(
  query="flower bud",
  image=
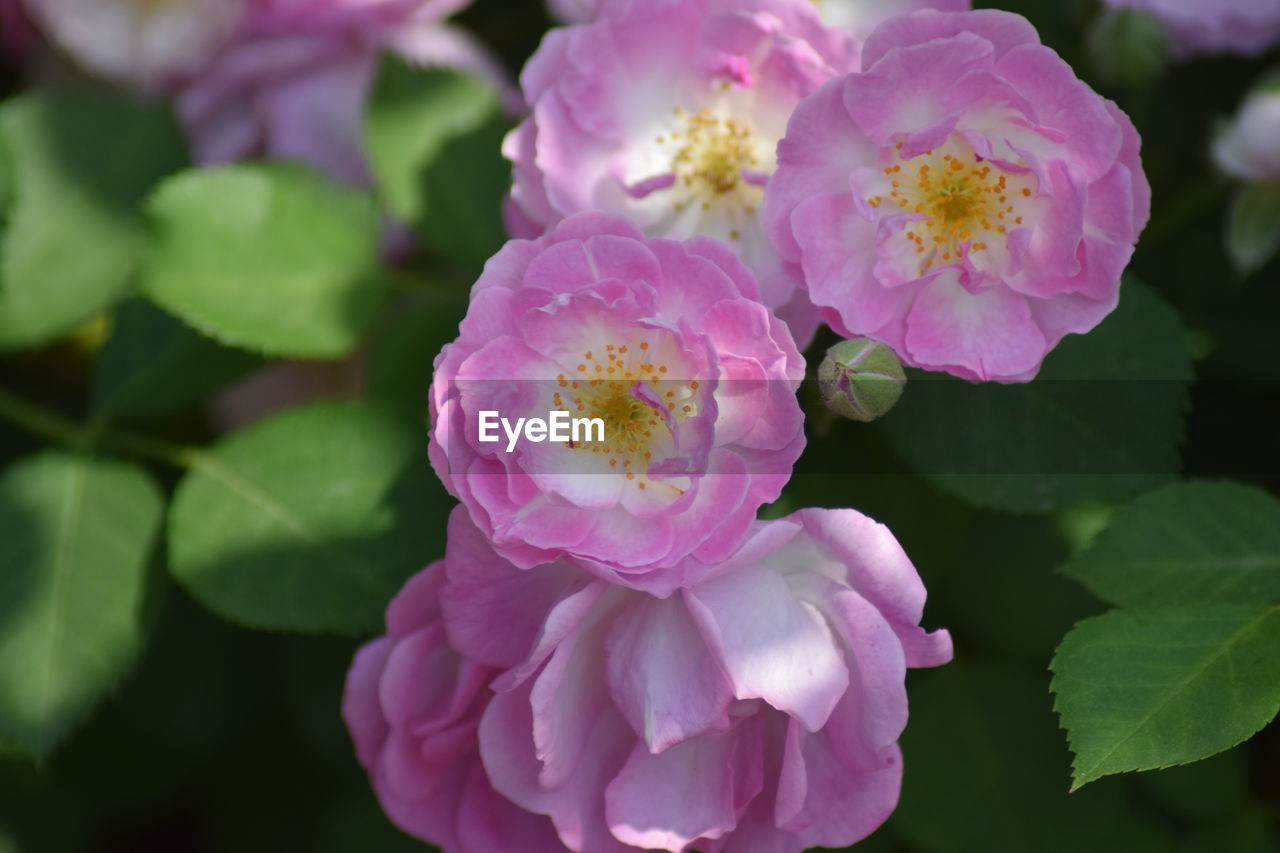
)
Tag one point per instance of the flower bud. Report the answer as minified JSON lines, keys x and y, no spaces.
{"x":1128,"y":46}
{"x":1248,"y":146}
{"x":861,"y":379}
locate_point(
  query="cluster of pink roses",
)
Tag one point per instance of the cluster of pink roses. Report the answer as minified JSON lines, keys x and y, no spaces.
{"x":614,"y":652}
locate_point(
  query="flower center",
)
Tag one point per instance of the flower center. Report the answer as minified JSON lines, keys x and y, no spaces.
{"x":627,"y":390}
{"x":714,"y":152}
{"x":965,"y":201}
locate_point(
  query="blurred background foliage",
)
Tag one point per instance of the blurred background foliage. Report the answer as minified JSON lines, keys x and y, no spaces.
{"x":187,"y":727}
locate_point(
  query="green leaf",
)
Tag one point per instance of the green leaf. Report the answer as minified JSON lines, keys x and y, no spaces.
{"x":268,"y":257}
{"x":309,"y":521}
{"x":1253,"y":227}
{"x":6,"y":180}
{"x":463,"y":191}
{"x":80,"y":167}
{"x":154,"y":365}
{"x":1193,"y":543}
{"x":1102,"y":421}
{"x":434,"y":137}
{"x":76,"y":534}
{"x":1145,"y":689}
{"x":984,"y":765}
{"x":402,"y":358}
{"x":412,"y":113}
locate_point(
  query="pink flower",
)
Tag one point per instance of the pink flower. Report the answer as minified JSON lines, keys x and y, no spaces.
{"x":667,"y":113}
{"x":293,"y":81}
{"x":758,"y":708}
{"x":965,"y":199}
{"x":147,"y":45}
{"x":412,"y":706}
{"x":1249,"y":147}
{"x":665,"y":343}
{"x":1214,"y":26}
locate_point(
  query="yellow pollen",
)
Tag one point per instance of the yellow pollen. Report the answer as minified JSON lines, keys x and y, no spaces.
{"x":632,"y":420}
{"x":714,"y":154}
{"x":963,"y":202}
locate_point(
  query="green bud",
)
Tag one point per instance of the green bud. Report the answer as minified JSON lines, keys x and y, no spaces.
{"x":1128,"y":46}
{"x":861,"y":379}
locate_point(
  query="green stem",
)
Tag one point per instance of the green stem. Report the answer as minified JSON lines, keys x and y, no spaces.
{"x":40,"y":421}
{"x":46,"y":424}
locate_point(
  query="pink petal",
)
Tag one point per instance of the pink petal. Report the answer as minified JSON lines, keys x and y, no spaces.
{"x":661,"y":675}
{"x":773,"y":646}
{"x":991,"y":335}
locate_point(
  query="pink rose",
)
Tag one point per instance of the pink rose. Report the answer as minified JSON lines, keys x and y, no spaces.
{"x":758,"y":708}
{"x":1249,"y":147}
{"x":1214,"y":26}
{"x":666,"y":344}
{"x":293,"y":81}
{"x":412,"y":706}
{"x":667,"y":113}
{"x":965,"y":199}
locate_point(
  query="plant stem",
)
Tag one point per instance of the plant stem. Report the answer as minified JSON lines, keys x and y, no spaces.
{"x":92,"y":436}
{"x":39,"y":421}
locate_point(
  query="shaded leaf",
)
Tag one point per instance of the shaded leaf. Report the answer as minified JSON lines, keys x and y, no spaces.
{"x":402,"y":359}
{"x":80,"y":167}
{"x":1102,"y":421}
{"x":154,"y":364}
{"x":412,"y":113}
{"x":309,"y":521}
{"x":462,"y":195}
{"x":75,"y":537}
{"x":1192,"y":543}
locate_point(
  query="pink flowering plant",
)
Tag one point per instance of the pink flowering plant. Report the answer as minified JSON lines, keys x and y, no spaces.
{"x":759,"y":705}
{"x":695,"y":382}
{"x":824,"y":424}
{"x":668,"y":114}
{"x":965,"y":198}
